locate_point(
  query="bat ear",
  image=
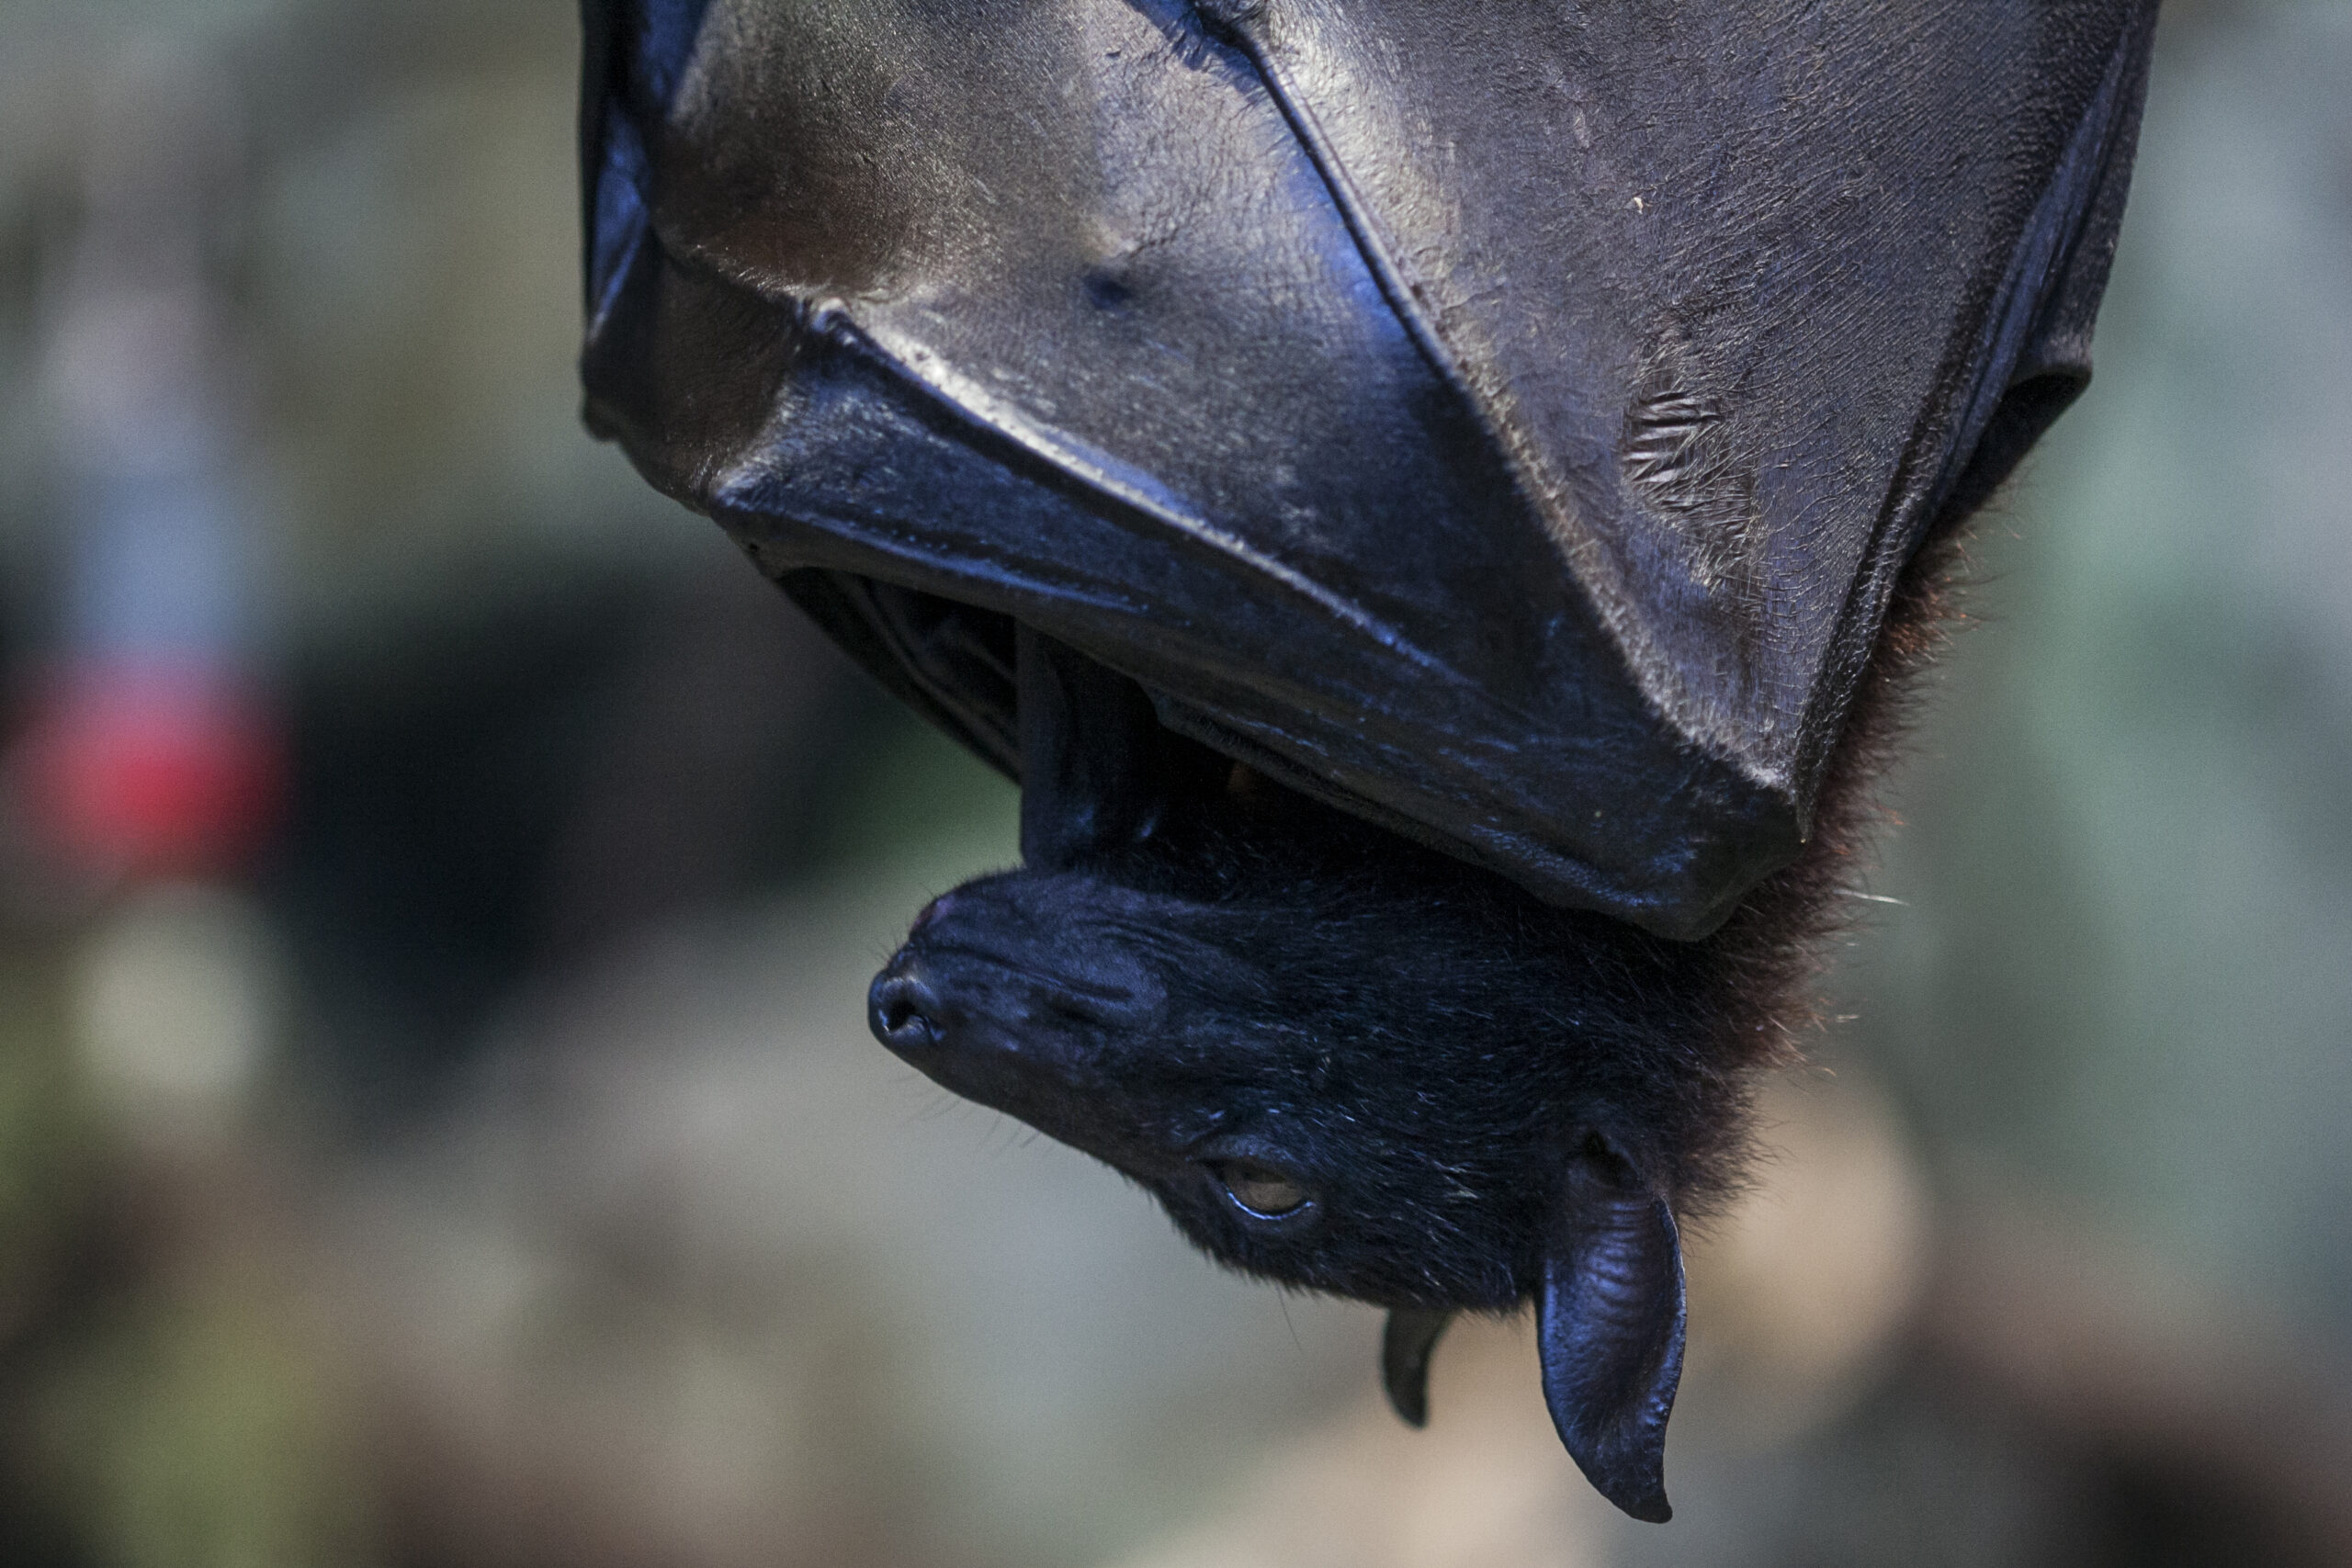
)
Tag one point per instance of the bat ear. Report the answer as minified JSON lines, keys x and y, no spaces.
{"x":1611,"y":1319}
{"x":1090,"y":779}
{"x":1405,"y":1346}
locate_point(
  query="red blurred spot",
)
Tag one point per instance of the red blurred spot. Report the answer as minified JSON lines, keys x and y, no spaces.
{"x":146,"y":772}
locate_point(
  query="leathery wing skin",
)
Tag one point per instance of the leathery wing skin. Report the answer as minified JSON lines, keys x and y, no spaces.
{"x":1505,"y":422}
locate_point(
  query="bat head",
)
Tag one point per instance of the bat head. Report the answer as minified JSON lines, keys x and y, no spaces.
{"x":1345,"y":1063}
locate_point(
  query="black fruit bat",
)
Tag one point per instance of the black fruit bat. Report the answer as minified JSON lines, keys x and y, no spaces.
{"x":1426,"y":495}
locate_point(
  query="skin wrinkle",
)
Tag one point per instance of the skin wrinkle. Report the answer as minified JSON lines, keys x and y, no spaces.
{"x":1071,"y":206}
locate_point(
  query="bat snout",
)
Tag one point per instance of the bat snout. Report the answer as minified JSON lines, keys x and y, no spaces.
{"x":1004,"y":1028}
{"x":904,"y":1011}
{"x":980,"y":1033}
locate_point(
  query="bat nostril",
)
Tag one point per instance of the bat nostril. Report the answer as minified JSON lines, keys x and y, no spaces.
{"x":903,"y":1013}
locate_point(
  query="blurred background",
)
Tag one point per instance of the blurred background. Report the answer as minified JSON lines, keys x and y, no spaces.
{"x":438,"y":882}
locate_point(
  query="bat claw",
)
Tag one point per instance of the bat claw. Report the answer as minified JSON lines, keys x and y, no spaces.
{"x":1405,"y":1349}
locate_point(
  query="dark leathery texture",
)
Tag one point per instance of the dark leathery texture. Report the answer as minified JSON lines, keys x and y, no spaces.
{"x":1502,"y":421}
{"x":1609,"y":1319}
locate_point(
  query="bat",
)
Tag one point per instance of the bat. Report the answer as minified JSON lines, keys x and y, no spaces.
{"x":1430,"y":498}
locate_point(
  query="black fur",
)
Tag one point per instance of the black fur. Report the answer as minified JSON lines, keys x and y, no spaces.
{"x":1417,"y":1040}
{"x":1407,"y":1037}
{"x":1208,"y":981}
{"x":1348,"y":523}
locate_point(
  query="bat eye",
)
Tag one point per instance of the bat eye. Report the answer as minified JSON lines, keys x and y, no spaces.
{"x":1259,"y":1190}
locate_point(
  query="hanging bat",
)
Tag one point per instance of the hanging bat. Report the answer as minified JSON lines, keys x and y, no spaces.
{"x":1429,"y":498}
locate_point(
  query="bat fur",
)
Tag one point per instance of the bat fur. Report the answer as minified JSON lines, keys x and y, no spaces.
{"x":1461,"y":1084}
{"x":1280,"y":381}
